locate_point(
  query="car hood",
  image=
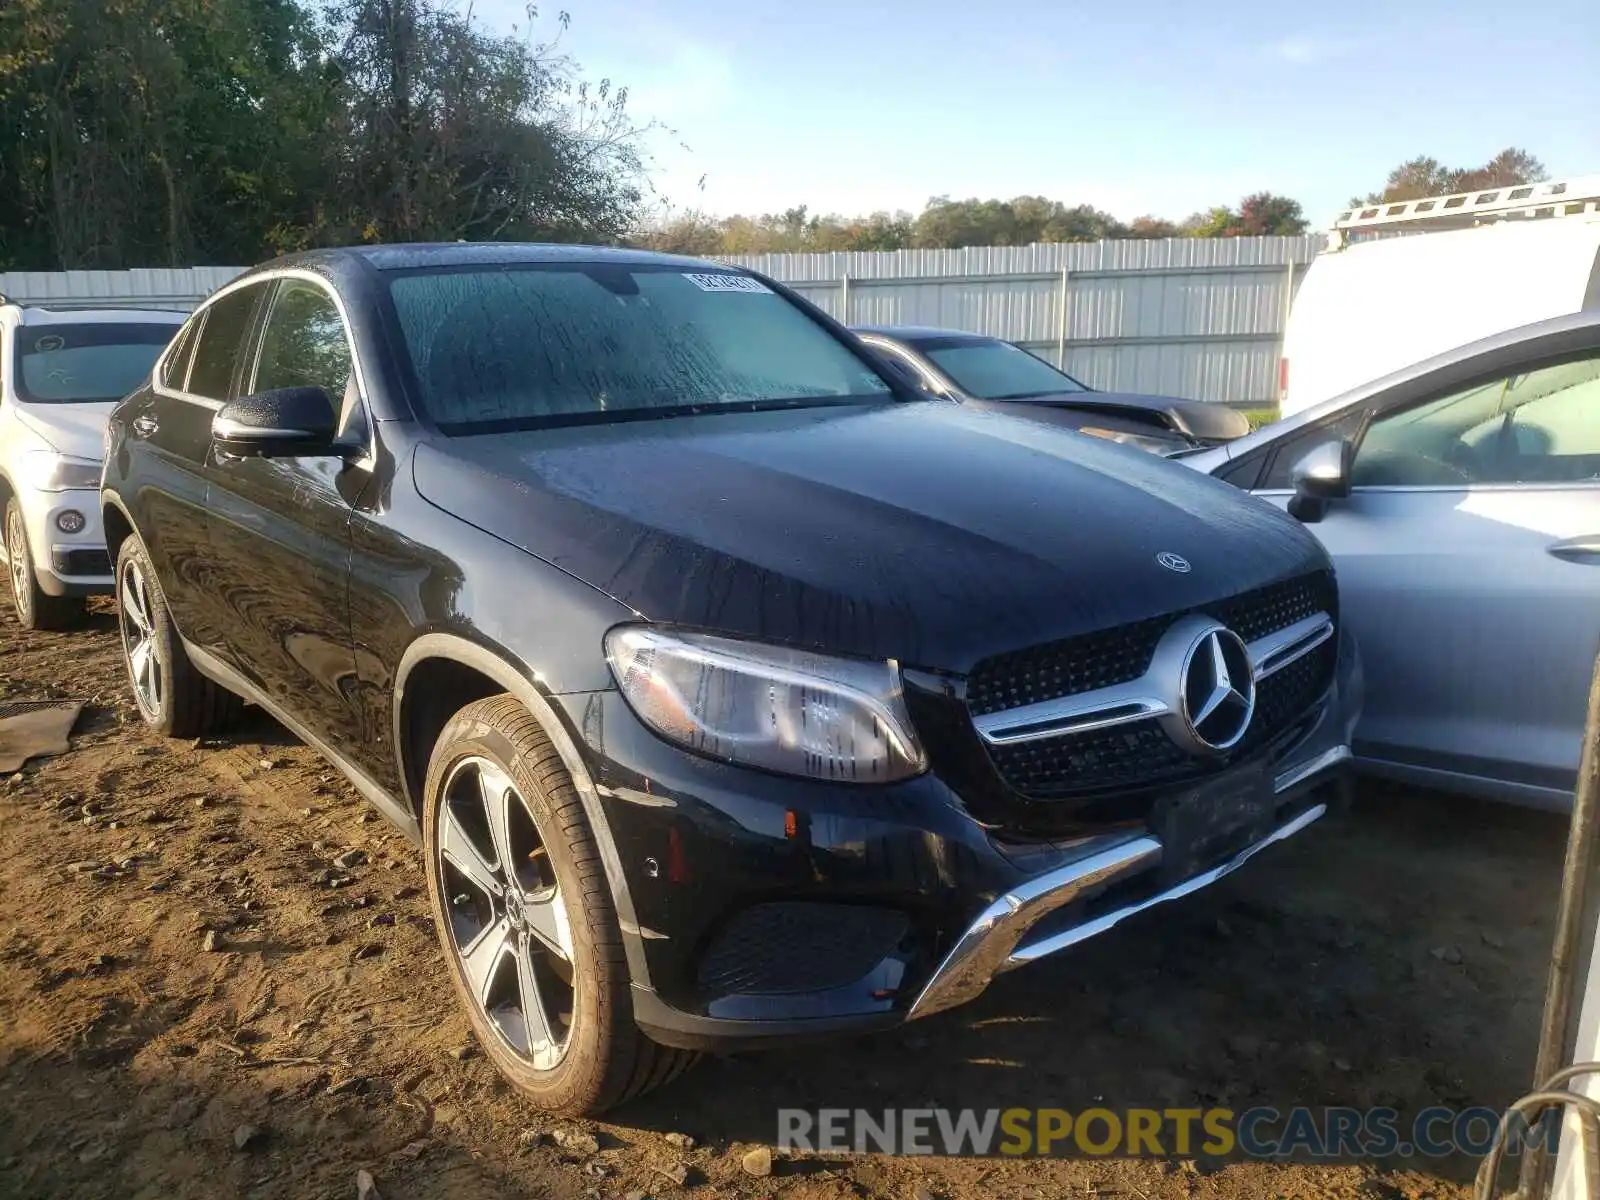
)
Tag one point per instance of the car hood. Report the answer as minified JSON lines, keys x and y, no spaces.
{"x":925,"y":532}
{"x":75,"y":429}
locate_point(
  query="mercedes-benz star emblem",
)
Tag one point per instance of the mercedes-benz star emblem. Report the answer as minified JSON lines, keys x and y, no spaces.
{"x":1218,"y":689}
{"x":1173,"y":562}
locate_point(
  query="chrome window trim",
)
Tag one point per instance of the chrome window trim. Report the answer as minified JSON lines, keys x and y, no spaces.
{"x":244,"y":281}
{"x":904,"y":358}
{"x":365,"y":457}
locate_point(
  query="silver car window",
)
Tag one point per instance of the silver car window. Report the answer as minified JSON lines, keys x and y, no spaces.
{"x":1541,"y":426}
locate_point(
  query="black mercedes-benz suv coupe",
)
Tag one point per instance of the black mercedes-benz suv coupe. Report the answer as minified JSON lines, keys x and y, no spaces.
{"x":735,"y":690}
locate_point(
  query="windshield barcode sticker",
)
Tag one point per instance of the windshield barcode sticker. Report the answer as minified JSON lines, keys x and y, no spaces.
{"x":727,"y":283}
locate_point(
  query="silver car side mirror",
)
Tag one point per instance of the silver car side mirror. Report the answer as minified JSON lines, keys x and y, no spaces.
{"x":1323,"y":474}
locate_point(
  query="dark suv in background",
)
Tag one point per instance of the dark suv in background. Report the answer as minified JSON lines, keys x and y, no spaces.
{"x":736,"y":689}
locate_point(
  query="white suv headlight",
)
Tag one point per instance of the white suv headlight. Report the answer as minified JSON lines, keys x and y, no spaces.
{"x":768,"y":706}
{"x":47,"y":471}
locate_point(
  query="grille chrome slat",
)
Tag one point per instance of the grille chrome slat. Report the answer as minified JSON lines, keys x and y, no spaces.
{"x":1273,"y":653}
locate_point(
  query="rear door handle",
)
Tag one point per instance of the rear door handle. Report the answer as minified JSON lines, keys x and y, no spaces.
{"x":1585,"y":550}
{"x":145,"y":425}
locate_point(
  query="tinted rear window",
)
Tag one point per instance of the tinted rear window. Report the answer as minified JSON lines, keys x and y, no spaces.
{"x":584,"y":343}
{"x":80,"y":363}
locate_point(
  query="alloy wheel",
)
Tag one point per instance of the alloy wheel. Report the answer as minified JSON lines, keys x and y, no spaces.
{"x":137,"y":618}
{"x":508,"y":925}
{"x":17,"y":560}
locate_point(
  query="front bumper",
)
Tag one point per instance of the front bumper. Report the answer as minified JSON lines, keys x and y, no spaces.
{"x":767,"y":909}
{"x":67,"y":564}
{"x":1008,"y":932}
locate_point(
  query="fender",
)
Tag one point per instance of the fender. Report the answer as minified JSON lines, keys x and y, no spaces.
{"x":513,"y":679}
{"x":109,"y":499}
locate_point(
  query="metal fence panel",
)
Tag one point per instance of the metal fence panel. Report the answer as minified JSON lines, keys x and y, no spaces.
{"x":147,"y":287}
{"x":1200,"y":317}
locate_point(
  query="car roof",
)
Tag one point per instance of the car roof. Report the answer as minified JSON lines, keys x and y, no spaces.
{"x":921,"y":333}
{"x":413,"y":255}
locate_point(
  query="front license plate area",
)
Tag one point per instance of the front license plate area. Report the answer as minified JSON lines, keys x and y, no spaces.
{"x":1203,"y":825}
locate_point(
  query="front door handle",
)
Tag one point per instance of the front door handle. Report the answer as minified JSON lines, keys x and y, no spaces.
{"x":145,"y":425}
{"x":1585,"y":550}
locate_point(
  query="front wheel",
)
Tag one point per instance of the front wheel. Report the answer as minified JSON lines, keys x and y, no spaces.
{"x":526,"y":919}
{"x":35,"y":607}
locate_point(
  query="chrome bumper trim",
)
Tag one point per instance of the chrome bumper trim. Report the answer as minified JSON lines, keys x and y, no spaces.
{"x":994,"y":942}
{"x":1297,"y":775}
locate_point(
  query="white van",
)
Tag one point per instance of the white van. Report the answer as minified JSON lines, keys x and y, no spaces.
{"x":1382,"y":296}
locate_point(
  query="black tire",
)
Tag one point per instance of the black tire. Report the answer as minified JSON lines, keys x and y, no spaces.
{"x":183,"y":702}
{"x":35,"y":608}
{"x":603,"y":1058}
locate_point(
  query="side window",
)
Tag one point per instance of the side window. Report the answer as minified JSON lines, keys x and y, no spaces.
{"x":1542,"y":426}
{"x":304,"y":343}
{"x":1244,"y":472}
{"x":217,"y":350}
{"x":1292,"y":449}
{"x":175,"y":368}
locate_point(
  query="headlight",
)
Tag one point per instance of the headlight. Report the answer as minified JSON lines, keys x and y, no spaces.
{"x":47,"y":471}
{"x":1150,"y":443}
{"x":767,"y":706}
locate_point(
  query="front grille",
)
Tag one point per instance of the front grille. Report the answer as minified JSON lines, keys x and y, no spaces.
{"x":1132,"y":755}
{"x":1110,"y":656}
{"x":792,"y":946}
{"x":1140,"y":754}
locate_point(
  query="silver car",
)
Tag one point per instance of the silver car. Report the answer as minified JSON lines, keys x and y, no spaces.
{"x":1460,"y":501}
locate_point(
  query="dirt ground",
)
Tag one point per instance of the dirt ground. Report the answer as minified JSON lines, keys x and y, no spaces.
{"x":1394,"y":956}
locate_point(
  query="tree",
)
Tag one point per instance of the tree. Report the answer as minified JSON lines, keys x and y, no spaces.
{"x":1261,"y":214}
{"x":1264,"y":215}
{"x":451,"y":132}
{"x":1152,"y":227}
{"x":1420,"y":177}
{"x":880,"y":231}
{"x":172,"y":132}
{"x":151,"y":131}
{"x":951,"y":224}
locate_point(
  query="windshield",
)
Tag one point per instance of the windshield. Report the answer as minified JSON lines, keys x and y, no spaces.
{"x":994,"y":370}
{"x":579,"y":343}
{"x":80,"y":364}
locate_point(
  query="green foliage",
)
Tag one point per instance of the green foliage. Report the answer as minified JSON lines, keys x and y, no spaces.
{"x":1261,"y":214}
{"x":951,"y":224}
{"x":171,"y":132}
{"x":1424,"y":176}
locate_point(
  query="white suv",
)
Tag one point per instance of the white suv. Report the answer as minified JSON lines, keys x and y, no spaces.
{"x":61,"y":372}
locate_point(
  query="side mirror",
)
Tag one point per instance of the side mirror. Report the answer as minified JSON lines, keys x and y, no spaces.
{"x":282,"y":423}
{"x":1322,"y":475}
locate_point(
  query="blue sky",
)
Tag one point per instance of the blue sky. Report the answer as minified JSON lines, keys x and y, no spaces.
{"x":1162,"y":106}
